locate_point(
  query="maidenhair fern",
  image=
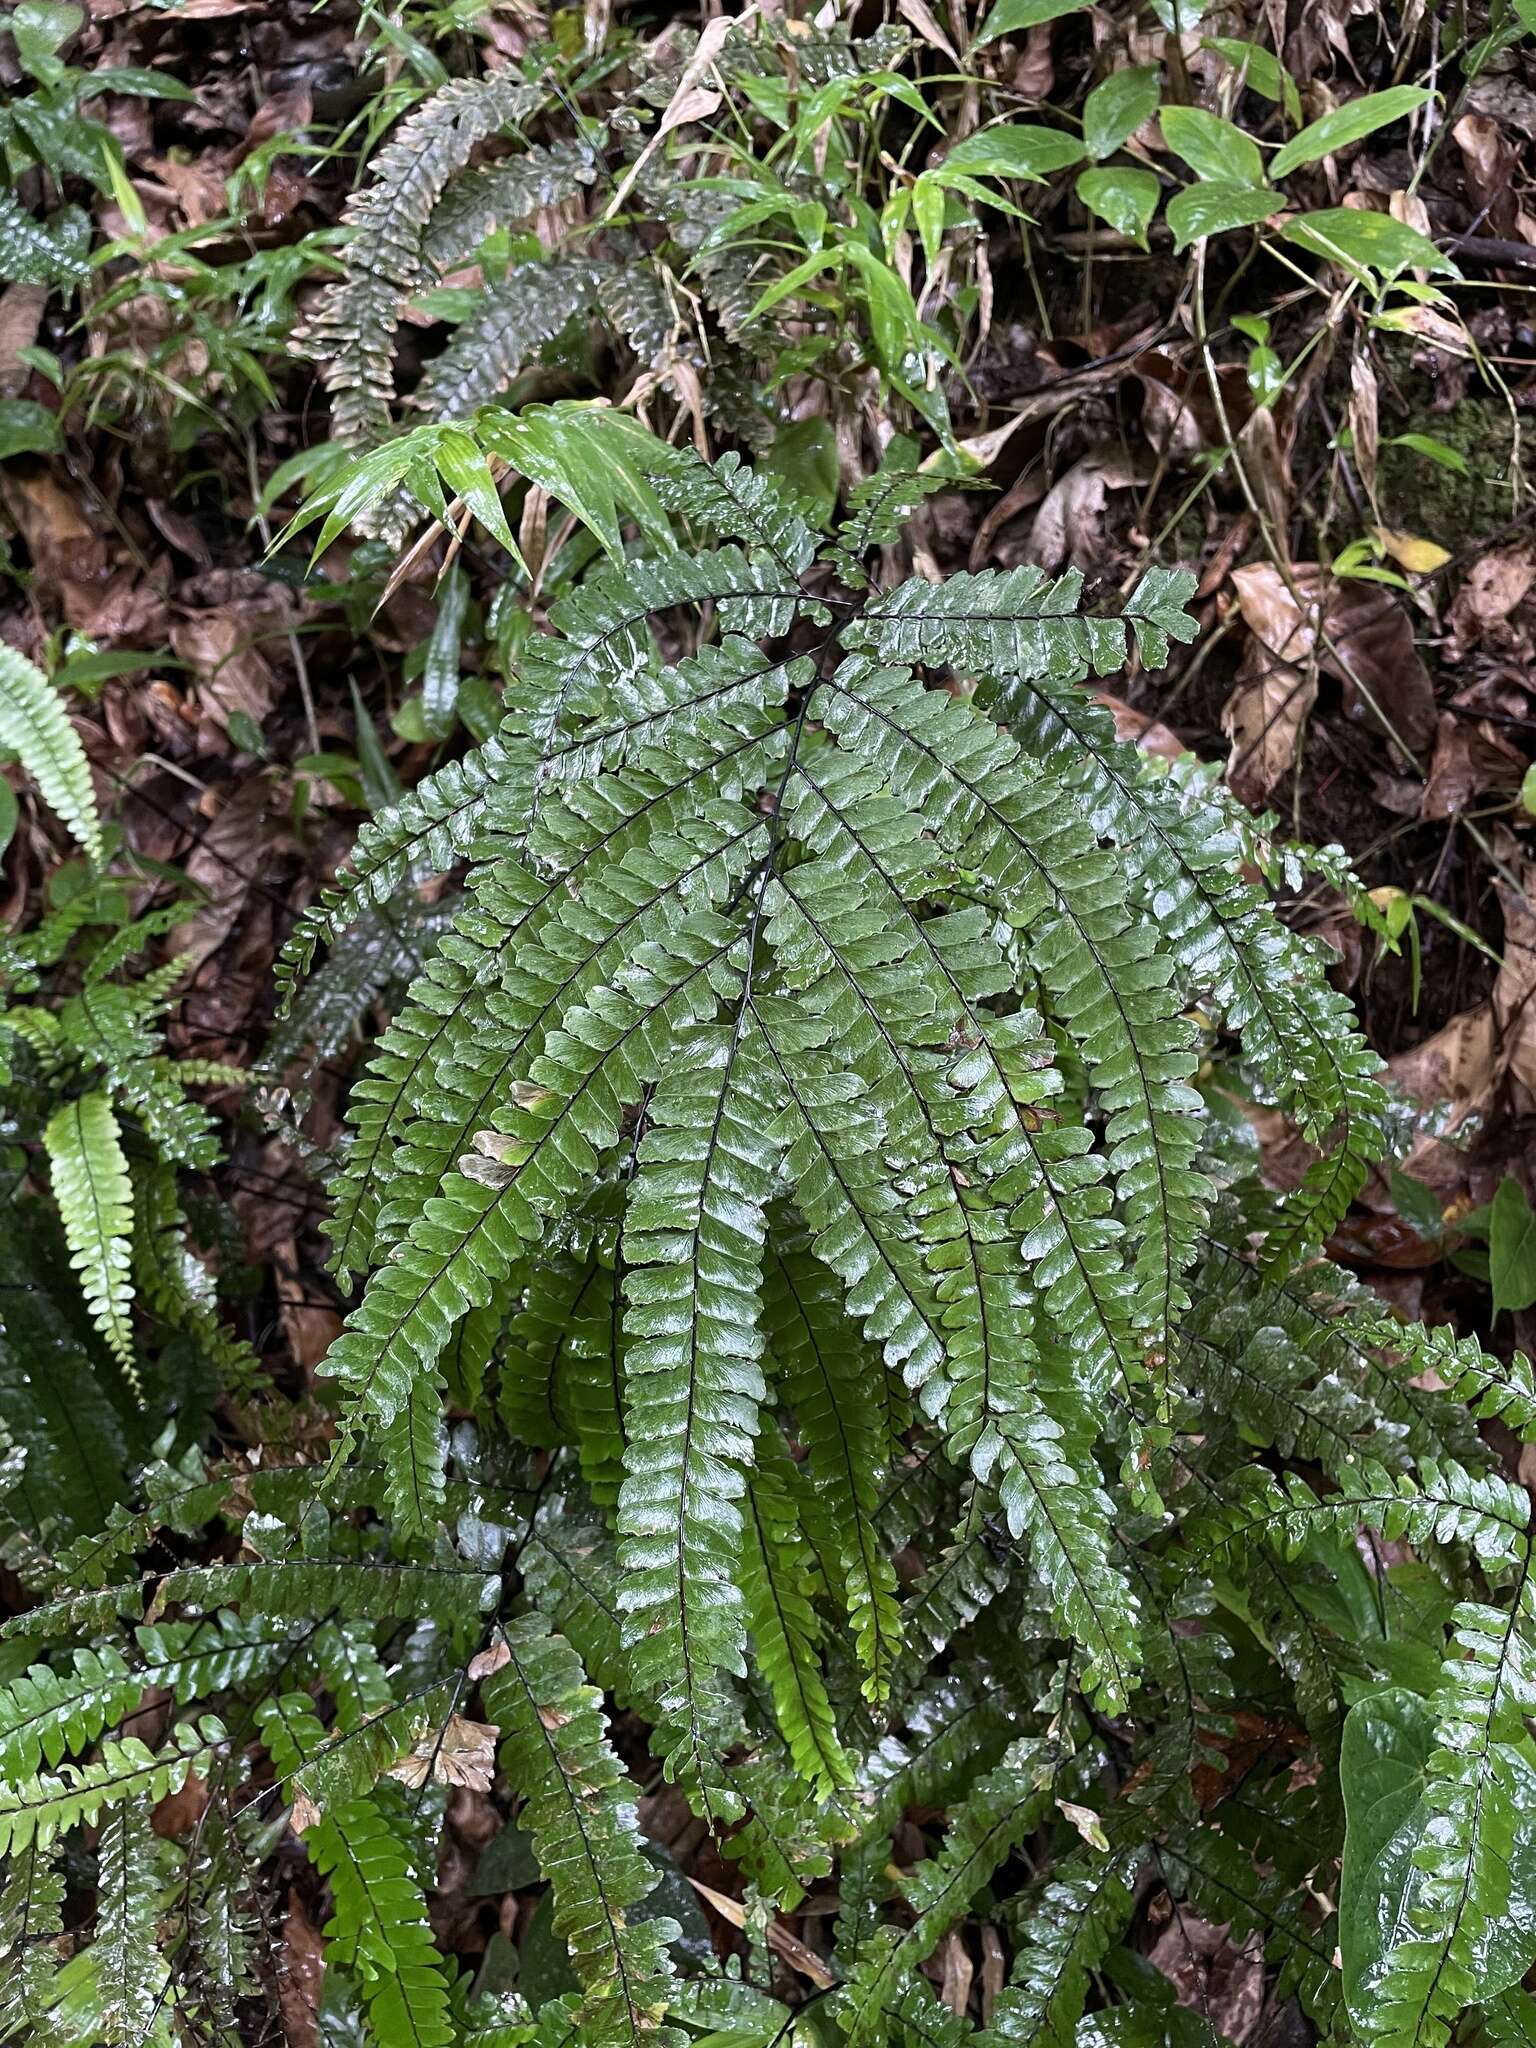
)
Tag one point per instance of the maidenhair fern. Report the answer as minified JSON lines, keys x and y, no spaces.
{"x":816,"y":1359}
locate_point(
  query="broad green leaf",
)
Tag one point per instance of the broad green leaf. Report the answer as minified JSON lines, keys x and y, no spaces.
{"x":440,"y":672}
{"x":1114,"y":110}
{"x":804,"y":454}
{"x":1009,"y":16}
{"x":1436,"y":451}
{"x":1213,"y":148}
{"x":1019,"y":151}
{"x":27,"y":428}
{"x":1345,"y":125}
{"x":1394,"y":1827}
{"x":1382,"y":1760}
{"x":41,"y":28}
{"x":1126,"y":198}
{"x":1512,"y":1247}
{"x":1262,"y":70}
{"x":1213,"y":208}
{"x":1363,"y":241}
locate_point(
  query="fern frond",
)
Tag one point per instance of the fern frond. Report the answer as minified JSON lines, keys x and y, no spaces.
{"x":995,"y":1817}
{"x":534,"y":1162}
{"x":879,"y":507}
{"x":1446,"y":1952}
{"x":579,"y":1808}
{"x":502,"y":194}
{"x":378,"y":1927}
{"x":1069,"y":1926}
{"x":1219,"y":1876}
{"x":35,"y":727}
{"x":832,"y":1386}
{"x":352,"y":332}
{"x":90,"y":1181}
{"x":511,"y":321}
{"x":1492,"y":1388}
{"x":1108,"y":986}
{"x":693,"y":1240}
{"x":121,"y":1979}
{"x":1438,"y":1504}
{"x":36,"y":1809}
{"x":424,"y":834}
{"x":37,"y":254}
{"x":1183,"y":843}
{"x":776,"y":1581}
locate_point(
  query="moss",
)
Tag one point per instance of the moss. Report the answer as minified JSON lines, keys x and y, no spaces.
{"x":1421,"y":496}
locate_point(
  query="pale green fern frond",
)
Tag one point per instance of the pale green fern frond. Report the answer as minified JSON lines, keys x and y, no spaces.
{"x":91,"y":1185}
{"x":35,"y":727}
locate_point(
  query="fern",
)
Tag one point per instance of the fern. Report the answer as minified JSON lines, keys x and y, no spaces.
{"x":1446,"y":1955}
{"x":801,"y":1357}
{"x":95,"y":1196}
{"x":583,"y":1827}
{"x":35,"y":727}
{"x":378,"y":1927}
{"x":352,"y":331}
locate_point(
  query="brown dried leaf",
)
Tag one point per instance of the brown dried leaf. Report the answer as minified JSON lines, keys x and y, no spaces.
{"x":1069,"y":527}
{"x":1263,"y":719}
{"x":1363,"y":419}
{"x":221,"y":649}
{"x":1496,"y":584}
{"x":464,"y":1755}
{"x":1363,"y":637}
{"x":920,"y":15}
{"x":302,"y":1975}
{"x":957,"y":1972}
{"x":490,"y":1660}
{"x":780,"y":1939}
{"x":1471,"y":758}
{"x":1212,"y":1975}
{"x":180,"y":1811}
{"x":21,"y":313}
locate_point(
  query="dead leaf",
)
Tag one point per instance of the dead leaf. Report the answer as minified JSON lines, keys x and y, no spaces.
{"x":1489,"y":163}
{"x":1364,"y":639}
{"x":1276,"y":684}
{"x":1363,"y":420}
{"x":226,"y":861}
{"x":921,"y":18}
{"x":1034,"y":76}
{"x":178,"y":1812}
{"x":1213,"y":1975}
{"x":491,"y":1660}
{"x":21,"y":313}
{"x":221,"y":648}
{"x":1495,"y":584}
{"x":691,"y":101}
{"x":1087,"y":1823}
{"x":780,"y":1940}
{"x":302,"y":1975}
{"x":956,"y":1972}
{"x":1473,"y":755}
{"x":994,"y":1971}
{"x":1141,"y":729}
{"x":463,"y":1754}
{"x":1069,"y":527}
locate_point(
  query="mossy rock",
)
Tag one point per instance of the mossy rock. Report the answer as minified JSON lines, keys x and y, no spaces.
{"x":1421,"y":496}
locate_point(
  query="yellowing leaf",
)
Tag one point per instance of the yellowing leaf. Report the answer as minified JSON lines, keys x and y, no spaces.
{"x":1423,"y":557}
